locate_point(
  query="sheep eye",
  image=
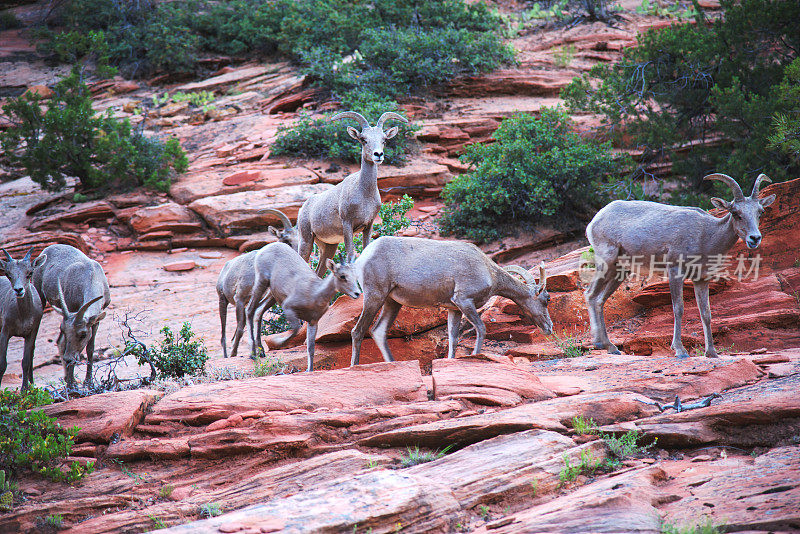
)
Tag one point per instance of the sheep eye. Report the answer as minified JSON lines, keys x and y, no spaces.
{"x":342,"y":277}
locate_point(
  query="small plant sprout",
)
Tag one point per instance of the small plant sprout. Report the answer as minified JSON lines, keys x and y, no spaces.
{"x":588,"y":465}
{"x":55,"y":521}
{"x":483,"y":511}
{"x":415,"y":456}
{"x":564,"y":56}
{"x":166,"y":491}
{"x":570,"y":345}
{"x":211,"y":509}
{"x":705,"y":526}
{"x":535,"y":486}
{"x":582,"y":426}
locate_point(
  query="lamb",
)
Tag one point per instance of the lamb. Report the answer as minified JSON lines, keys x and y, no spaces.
{"x":20,"y":310}
{"x":331,"y":217}
{"x":301,"y":293}
{"x":670,"y":235}
{"x":423,"y":273}
{"x":235,"y":284}
{"x":77,"y":288}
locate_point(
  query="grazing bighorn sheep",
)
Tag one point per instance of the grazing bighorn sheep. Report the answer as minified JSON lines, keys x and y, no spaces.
{"x":301,"y":293}
{"x":77,"y":288}
{"x":670,"y":235}
{"x":235,"y":283}
{"x":330,"y":217}
{"x":423,"y":273}
{"x":20,"y":310}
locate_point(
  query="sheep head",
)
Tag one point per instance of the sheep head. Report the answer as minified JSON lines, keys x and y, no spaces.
{"x":534,"y":304}
{"x":745,"y":211}
{"x":20,"y":272}
{"x":372,"y":138}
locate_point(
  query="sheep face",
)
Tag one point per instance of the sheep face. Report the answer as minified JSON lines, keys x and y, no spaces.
{"x":535,"y":307}
{"x":373,"y":140}
{"x":344,"y":278}
{"x":20,"y":272}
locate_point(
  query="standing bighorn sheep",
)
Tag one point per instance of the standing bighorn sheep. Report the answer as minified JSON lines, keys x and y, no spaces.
{"x":77,"y":288}
{"x":301,"y":293}
{"x":20,"y":310}
{"x":330,"y":217}
{"x":423,"y":273}
{"x":235,"y":283}
{"x":670,"y":235}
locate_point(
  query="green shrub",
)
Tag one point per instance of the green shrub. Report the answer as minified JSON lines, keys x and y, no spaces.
{"x":174,"y":357}
{"x":320,"y":138}
{"x":70,"y":139}
{"x":31,"y":440}
{"x":415,"y":456}
{"x":588,"y":464}
{"x":9,"y":21}
{"x":211,"y":509}
{"x":785,"y":135}
{"x":536,"y":170}
{"x":687,"y":82}
{"x":706,"y":526}
{"x":570,"y":346}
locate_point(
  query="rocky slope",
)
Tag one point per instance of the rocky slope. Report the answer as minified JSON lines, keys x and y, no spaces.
{"x":322,"y":452}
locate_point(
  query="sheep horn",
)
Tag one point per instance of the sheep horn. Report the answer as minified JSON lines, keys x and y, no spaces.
{"x":389,"y":115}
{"x":724,"y":178}
{"x":516,"y":269}
{"x":287,"y":224}
{"x":542,"y":278}
{"x":28,"y":255}
{"x":79,"y":315}
{"x":8,"y":256}
{"x":61,"y":304}
{"x":352,"y":115}
{"x":757,"y":185}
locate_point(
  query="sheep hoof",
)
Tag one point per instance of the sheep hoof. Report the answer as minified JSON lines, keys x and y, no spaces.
{"x":613,"y":350}
{"x":681,"y":355}
{"x":712,"y":354}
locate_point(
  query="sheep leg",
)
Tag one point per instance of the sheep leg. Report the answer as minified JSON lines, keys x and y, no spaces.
{"x":701,"y":296}
{"x":467,"y":307}
{"x":676,"y":292}
{"x":453,"y":331}
{"x":260,"y":287}
{"x":223,"y":317}
{"x":326,"y":252}
{"x":3,"y":353}
{"x":366,"y":235}
{"x":241,"y":321}
{"x":603,"y":284}
{"x":372,"y":303}
{"x":294,"y":324}
{"x":379,"y":332}
{"x":27,"y":359}
{"x":306,"y":245}
{"x":87,"y":382}
{"x":266,"y":304}
{"x":311,"y":336}
{"x":349,"y":248}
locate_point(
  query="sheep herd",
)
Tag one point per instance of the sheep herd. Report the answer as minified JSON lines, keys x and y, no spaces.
{"x":391,"y":271}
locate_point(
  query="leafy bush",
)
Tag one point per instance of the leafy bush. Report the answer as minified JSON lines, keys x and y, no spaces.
{"x":275,"y":321}
{"x":688,"y":83}
{"x":320,"y":138}
{"x":415,"y":456}
{"x":588,"y":464}
{"x":210,"y":509}
{"x":9,"y":21}
{"x":69,"y":139}
{"x":404,"y":45}
{"x":30,"y":439}
{"x":538,"y":169}
{"x":174,"y":357}
{"x":785,"y":135}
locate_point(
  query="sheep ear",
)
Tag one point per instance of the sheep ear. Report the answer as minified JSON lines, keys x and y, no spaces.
{"x":767,"y":201}
{"x":40,"y":261}
{"x":274,"y":231}
{"x":96,"y":319}
{"x":391,"y":132}
{"x":721,"y":204}
{"x":355,"y":134}
{"x":331,"y":265}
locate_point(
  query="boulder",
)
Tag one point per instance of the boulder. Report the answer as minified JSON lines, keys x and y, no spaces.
{"x":513,"y":82}
{"x":417,"y":178}
{"x":197,"y":185}
{"x":95,"y":211}
{"x":341,"y":317}
{"x":106,"y":416}
{"x":373,"y":385}
{"x":180,"y":265}
{"x":240,"y":211}
{"x":170,"y":217}
{"x":486,"y":382}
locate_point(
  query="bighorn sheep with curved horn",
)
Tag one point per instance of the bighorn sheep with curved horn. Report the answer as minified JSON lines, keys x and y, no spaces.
{"x":423,"y":273}
{"x":670,"y":235}
{"x":20,"y":310}
{"x":236,"y":280}
{"x":77,"y":288}
{"x":331,"y":217}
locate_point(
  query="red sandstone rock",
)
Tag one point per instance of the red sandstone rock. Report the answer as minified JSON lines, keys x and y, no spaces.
{"x":99,"y":210}
{"x":181,"y":265}
{"x":40,"y":90}
{"x":100,"y":417}
{"x":165,"y":217}
{"x":489,"y":383}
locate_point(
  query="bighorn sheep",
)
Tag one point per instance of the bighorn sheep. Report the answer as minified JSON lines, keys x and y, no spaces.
{"x":423,"y":273}
{"x":670,"y":235}
{"x":301,"y":293}
{"x":77,"y":288}
{"x":235,"y":283}
{"x":20,"y":310}
{"x":330,"y":217}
